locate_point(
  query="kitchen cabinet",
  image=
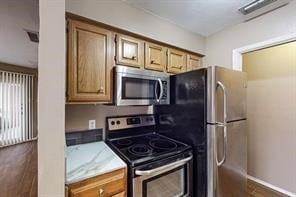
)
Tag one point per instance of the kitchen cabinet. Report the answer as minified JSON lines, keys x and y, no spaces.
{"x":129,"y":51}
{"x":90,"y":63}
{"x":112,"y":184}
{"x":193,"y":62}
{"x":155,"y":57}
{"x":176,"y":61}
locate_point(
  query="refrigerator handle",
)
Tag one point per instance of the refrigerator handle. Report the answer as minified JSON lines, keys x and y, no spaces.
{"x":224,"y":124}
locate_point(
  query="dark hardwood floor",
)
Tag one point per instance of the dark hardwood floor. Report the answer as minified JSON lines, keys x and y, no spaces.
{"x":18,"y":170}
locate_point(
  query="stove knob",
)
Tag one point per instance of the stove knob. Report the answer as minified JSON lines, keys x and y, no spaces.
{"x":118,"y":122}
{"x":112,"y":122}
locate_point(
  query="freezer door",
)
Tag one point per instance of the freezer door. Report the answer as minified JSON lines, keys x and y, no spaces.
{"x":229,"y":86}
{"x":227,"y":160}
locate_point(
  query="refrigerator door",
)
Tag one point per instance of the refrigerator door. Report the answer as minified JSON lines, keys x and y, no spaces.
{"x":229,"y":86}
{"x":227,"y":160}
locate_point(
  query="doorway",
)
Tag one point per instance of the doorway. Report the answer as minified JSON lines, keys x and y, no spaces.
{"x":271,"y":112}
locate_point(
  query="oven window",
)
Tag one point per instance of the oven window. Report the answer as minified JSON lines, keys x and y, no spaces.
{"x":169,"y":184}
{"x":134,"y":88}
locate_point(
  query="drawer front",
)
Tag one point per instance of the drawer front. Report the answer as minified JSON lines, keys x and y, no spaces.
{"x":121,"y":194}
{"x":107,"y":185}
{"x":97,"y":190}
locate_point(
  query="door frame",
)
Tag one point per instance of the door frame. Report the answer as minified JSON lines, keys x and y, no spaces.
{"x":238,"y":52}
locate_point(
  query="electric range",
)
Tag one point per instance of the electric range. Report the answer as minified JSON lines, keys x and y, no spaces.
{"x":157,"y":165}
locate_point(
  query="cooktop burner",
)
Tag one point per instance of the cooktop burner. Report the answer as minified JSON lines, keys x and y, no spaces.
{"x":163,"y":144}
{"x":138,"y":149}
{"x":124,"y":142}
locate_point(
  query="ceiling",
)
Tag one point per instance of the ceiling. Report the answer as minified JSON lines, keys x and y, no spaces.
{"x":204,"y":17}
{"x":15,"y":46}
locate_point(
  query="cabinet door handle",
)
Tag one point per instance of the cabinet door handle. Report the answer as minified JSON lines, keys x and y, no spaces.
{"x":101,"y":90}
{"x":133,"y":57}
{"x":152,"y":61}
{"x":101,"y":192}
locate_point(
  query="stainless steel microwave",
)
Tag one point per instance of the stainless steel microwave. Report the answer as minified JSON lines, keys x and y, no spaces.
{"x":134,"y":86}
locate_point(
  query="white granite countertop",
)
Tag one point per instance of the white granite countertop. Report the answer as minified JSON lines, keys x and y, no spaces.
{"x":84,"y":161}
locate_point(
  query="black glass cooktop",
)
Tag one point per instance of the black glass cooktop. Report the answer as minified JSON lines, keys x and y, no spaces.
{"x":144,"y":148}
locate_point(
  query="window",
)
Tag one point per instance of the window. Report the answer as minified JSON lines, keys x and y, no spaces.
{"x":16,"y":107}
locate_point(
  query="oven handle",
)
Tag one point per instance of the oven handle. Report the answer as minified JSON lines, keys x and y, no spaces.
{"x":174,"y":165}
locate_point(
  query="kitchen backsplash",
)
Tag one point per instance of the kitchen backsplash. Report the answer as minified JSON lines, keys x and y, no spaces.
{"x":82,"y":137}
{"x":77,"y":116}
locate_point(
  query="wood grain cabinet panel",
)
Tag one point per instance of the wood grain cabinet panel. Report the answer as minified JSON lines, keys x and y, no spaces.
{"x":90,"y":63}
{"x":155,"y":57}
{"x":193,"y":62}
{"x":111,"y":184}
{"x":121,"y":194}
{"x":129,"y":51}
{"x":176,"y":61}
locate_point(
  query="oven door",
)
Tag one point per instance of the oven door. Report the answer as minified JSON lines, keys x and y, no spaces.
{"x":141,"y":89}
{"x":171,"y":180}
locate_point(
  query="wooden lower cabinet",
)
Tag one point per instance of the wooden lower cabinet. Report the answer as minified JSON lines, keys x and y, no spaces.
{"x":111,"y":184}
{"x":122,"y":194}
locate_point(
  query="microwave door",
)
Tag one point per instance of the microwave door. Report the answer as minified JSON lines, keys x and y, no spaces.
{"x":132,"y":90}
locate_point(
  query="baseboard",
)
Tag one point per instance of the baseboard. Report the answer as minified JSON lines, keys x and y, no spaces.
{"x":272,"y":187}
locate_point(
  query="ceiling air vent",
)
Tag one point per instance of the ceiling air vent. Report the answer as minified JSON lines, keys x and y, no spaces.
{"x":34,"y":36}
{"x":259,"y":7}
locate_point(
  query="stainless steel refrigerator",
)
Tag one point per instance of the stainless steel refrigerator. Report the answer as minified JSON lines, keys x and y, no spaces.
{"x":208,"y":111}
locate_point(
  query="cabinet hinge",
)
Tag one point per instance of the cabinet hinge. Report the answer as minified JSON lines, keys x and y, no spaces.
{"x":114,"y":57}
{"x":115,"y":38}
{"x":67,"y":26}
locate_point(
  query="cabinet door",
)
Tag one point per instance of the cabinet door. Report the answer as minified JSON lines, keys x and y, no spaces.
{"x":155,"y":57}
{"x":176,"y":61}
{"x":193,"y":62}
{"x":89,"y":63}
{"x":129,"y":51}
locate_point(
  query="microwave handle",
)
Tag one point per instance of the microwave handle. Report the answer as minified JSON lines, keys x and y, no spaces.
{"x":161,"y":91}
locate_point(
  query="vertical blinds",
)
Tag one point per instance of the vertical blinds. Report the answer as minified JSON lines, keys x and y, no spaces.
{"x":16,"y":108}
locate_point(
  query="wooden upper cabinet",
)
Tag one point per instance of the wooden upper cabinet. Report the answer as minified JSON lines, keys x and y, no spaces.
{"x":193,"y":62}
{"x":90,"y":52}
{"x":176,"y":61}
{"x":129,"y":51}
{"x":155,"y":57}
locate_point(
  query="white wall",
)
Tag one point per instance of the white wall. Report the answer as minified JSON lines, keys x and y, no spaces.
{"x":15,"y":45}
{"x":119,"y":14}
{"x":77,"y":116}
{"x":275,"y":24}
{"x":51,"y":109}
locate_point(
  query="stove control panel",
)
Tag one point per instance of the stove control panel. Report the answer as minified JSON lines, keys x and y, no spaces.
{"x":117,"y":123}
